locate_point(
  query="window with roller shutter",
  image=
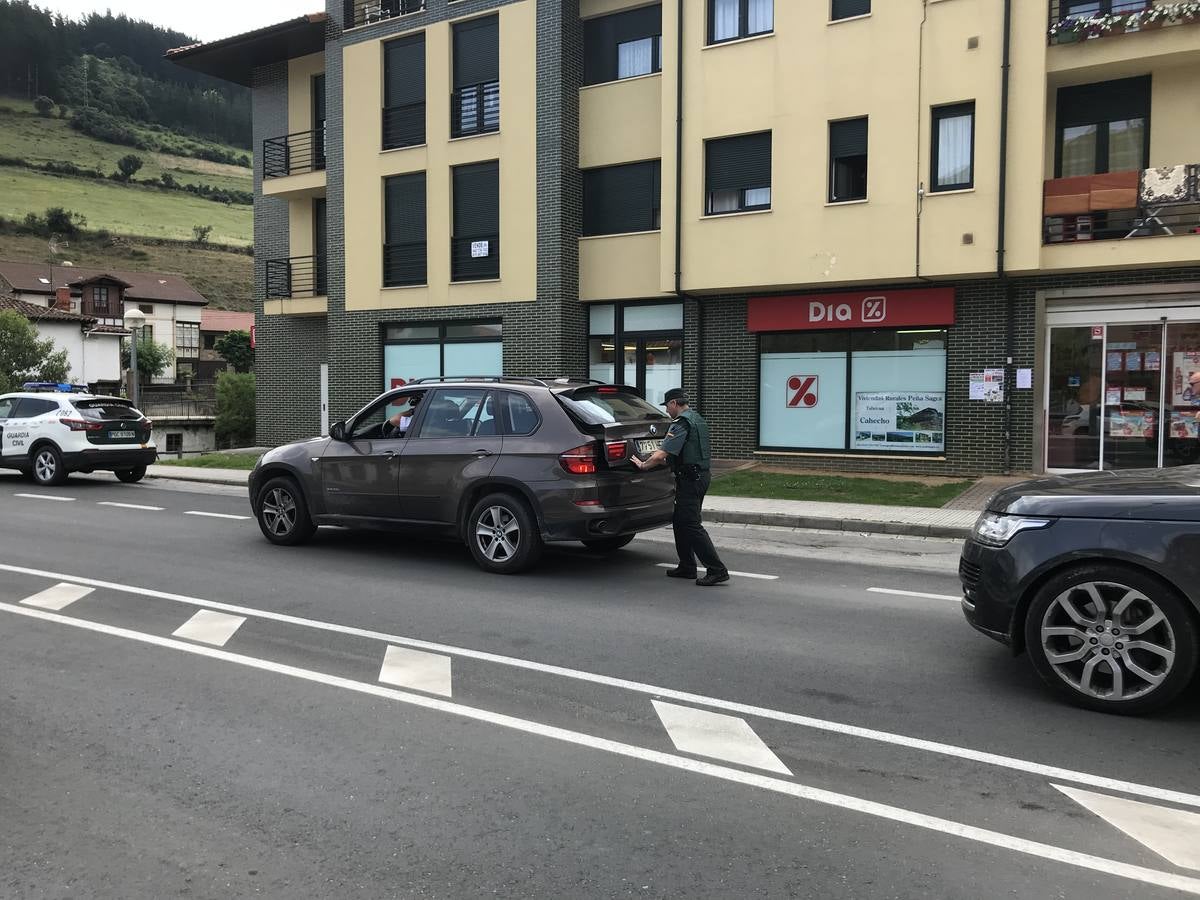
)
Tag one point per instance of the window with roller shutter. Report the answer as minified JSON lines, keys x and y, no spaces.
{"x":475,"y":244}
{"x":405,"y":256}
{"x":737,"y":174}
{"x":622,"y":199}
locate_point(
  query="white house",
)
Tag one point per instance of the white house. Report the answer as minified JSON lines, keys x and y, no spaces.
{"x":93,"y":348}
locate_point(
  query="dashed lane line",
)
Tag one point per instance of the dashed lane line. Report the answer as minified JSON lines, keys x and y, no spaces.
{"x":213,"y":515}
{"x":130,"y":506}
{"x":1056,"y":773}
{"x":878,"y":590}
{"x":824,"y":797}
{"x":54,"y":497}
{"x":731,"y":572}
{"x":417,"y":671}
{"x":58,"y":597}
{"x":210,"y":627}
{"x":717,"y":736}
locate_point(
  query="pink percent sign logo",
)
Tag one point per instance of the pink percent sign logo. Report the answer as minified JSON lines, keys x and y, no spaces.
{"x":802,"y":391}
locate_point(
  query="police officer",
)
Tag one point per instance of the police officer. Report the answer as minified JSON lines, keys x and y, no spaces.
{"x":687,"y":450}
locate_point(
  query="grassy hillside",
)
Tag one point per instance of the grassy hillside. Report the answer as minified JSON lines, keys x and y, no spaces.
{"x":226,"y":278}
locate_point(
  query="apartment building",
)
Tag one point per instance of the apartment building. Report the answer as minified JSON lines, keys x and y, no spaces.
{"x":926,"y":236}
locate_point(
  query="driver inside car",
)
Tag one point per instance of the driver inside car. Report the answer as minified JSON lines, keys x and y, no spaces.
{"x":398,"y":424}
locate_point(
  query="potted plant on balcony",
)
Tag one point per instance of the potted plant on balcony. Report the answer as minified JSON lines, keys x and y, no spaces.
{"x":1068,"y":31}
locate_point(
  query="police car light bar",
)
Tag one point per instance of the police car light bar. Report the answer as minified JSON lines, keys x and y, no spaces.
{"x":60,"y":387}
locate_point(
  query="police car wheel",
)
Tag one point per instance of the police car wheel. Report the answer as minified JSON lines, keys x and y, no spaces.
{"x":131,"y":476}
{"x":503,"y":535}
{"x":609,"y":544}
{"x":47,"y":467}
{"x":282,"y":513}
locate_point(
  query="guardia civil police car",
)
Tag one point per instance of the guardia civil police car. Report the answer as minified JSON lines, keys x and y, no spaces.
{"x":49,"y":430}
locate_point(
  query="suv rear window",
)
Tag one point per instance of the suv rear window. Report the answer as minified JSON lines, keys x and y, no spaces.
{"x":607,"y":407}
{"x":106,"y":409}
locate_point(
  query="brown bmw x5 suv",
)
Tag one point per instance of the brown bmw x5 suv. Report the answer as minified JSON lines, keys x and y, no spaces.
{"x":505,"y":464}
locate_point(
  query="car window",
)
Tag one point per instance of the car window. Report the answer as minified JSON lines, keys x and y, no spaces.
{"x":485,"y":425}
{"x":28,"y":407}
{"x":6,"y":407}
{"x":521,"y":416}
{"x":106,"y":410}
{"x":452,"y":413}
{"x":369,"y":425}
{"x":606,"y":406}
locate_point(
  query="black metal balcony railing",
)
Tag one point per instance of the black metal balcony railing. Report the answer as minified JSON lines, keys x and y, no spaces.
{"x":404,"y":126}
{"x":1072,"y":21}
{"x":404,"y":264}
{"x":300,"y":276}
{"x":294,"y":154}
{"x":475,"y":258}
{"x":367,"y":12}
{"x":1122,"y":224}
{"x":475,"y":109}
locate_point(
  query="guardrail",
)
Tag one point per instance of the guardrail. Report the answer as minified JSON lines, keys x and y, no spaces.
{"x":294,"y":154}
{"x":475,"y":109}
{"x":1070,"y":22}
{"x":298,"y":276}
{"x":356,"y":13}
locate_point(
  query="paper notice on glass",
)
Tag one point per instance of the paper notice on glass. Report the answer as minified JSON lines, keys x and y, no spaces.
{"x":1113,"y":396}
{"x":1135,"y":393}
{"x":1024,"y":379}
{"x":1133,"y":362}
{"x":1116,"y":361}
{"x":994,"y":375}
{"x":985,"y":389}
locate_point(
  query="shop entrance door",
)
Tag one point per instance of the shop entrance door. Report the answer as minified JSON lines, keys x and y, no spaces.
{"x":1118,"y":396}
{"x":654,"y":365}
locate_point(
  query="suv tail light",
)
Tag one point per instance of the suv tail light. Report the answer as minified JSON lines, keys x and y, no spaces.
{"x":82,"y":424}
{"x":616,"y":450}
{"x":579,"y":460}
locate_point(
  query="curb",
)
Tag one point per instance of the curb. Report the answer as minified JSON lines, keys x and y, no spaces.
{"x":231,"y":482}
{"x":820,"y":523}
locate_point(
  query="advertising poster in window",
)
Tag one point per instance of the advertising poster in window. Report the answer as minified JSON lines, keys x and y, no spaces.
{"x":910,"y":421}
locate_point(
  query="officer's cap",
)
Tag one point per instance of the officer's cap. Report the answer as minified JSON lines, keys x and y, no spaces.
{"x":679,"y":395}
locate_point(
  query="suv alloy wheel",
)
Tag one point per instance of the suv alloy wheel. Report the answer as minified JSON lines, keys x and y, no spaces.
{"x":282,"y":513}
{"x":503,"y":534}
{"x":47,"y":466}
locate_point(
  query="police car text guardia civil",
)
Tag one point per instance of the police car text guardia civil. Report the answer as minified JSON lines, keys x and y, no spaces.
{"x":49,"y":430}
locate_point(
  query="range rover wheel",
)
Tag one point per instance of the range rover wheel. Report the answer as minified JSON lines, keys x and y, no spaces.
{"x":503,"y":534}
{"x":609,"y":544}
{"x":47,"y":467}
{"x":282,"y":513}
{"x":131,"y":476}
{"x":1112,"y":639}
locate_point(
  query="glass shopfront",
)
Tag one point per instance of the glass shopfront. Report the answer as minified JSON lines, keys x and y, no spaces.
{"x":1118,"y":394}
{"x":650,"y":338}
{"x":451,"y":349}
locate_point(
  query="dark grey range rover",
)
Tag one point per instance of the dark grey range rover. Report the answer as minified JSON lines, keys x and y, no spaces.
{"x":504,"y":464}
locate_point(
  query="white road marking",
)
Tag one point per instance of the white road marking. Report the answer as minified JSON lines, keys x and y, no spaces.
{"x":1174,"y":834}
{"x":210,"y":627}
{"x":717,"y":736}
{"x":1049,"y":852}
{"x":46,"y":497}
{"x":1055,"y":773}
{"x":899,"y":593}
{"x":130,"y":506}
{"x":210,"y":515}
{"x":731,"y":572}
{"x":58,"y":597}
{"x":416,"y":670}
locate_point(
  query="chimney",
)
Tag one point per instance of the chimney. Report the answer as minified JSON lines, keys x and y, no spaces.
{"x":62,"y":299}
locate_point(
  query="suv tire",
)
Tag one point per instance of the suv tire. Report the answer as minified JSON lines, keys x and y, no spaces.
{"x":46,"y":466}
{"x":1080,"y":629}
{"x":131,"y":476}
{"x":282,"y":513}
{"x":503,"y":534}
{"x":609,"y":544}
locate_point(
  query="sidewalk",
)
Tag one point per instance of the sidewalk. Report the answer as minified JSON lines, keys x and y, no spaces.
{"x":905,"y":520}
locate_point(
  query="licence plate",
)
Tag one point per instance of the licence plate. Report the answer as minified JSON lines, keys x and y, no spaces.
{"x":648,"y":447}
{"x":122,"y":435}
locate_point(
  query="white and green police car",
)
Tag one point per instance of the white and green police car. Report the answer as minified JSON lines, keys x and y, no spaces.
{"x":49,"y":430}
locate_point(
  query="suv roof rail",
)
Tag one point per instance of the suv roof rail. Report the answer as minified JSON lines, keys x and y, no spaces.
{"x":503,"y":379}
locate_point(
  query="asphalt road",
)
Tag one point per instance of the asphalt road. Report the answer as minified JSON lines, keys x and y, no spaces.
{"x":188,"y":711}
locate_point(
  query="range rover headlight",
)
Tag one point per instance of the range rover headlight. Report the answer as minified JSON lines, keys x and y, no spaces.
{"x":996,"y":530}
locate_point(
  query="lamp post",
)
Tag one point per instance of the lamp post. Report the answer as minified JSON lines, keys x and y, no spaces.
{"x":134,"y":320}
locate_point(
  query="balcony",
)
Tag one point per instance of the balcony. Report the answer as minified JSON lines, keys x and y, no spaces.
{"x":475,"y":109}
{"x":1118,"y":206}
{"x":404,"y":126}
{"x":1072,"y":22}
{"x":404,"y":265}
{"x":357,"y":13}
{"x":296,"y":286}
{"x":475,"y":258}
{"x":294,"y":165}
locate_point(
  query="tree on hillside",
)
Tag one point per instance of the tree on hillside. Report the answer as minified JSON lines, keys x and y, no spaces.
{"x":153,"y":358}
{"x":44,"y":106}
{"x":25,"y":357}
{"x":129,"y":165}
{"x":235,"y":349}
{"x":235,"y":409}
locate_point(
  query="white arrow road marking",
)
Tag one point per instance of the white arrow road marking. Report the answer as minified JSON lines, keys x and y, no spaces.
{"x":900,"y":593}
{"x":209,"y":515}
{"x":46,"y":497}
{"x":58,"y":597}
{"x":210,"y":627}
{"x":670,"y":760}
{"x":130,"y":506}
{"x":427,"y":672}
{"x":736,"y":574}
{"x":1174,"y":834}
{"x":716,"y":736}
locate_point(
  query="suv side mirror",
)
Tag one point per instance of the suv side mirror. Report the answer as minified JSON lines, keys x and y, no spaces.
{"x":337,"y":431}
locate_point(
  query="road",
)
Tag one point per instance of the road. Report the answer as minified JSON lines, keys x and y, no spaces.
{"x":188,"y":711}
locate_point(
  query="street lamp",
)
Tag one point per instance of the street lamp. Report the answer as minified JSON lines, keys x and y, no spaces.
{"x":134,"y":320}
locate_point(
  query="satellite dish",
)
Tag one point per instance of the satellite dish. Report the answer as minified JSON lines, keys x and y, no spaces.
{"x":57,"y":245}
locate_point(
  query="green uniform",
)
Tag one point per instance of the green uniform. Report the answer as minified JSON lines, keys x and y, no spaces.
{"x":690,"y":450}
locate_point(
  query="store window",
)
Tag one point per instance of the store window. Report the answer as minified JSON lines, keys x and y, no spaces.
{"x":451,"y":350}
{"x":879,"y":391}
{"x":638,"y":344}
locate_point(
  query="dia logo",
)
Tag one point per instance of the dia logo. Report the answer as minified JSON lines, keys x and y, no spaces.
{"x":802,"y":391}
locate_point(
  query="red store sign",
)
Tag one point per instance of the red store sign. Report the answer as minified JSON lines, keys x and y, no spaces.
{"x":868,"y":309}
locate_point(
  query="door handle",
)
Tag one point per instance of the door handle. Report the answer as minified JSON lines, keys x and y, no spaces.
{"x":482,"y":452}
{"x":391,"y":454}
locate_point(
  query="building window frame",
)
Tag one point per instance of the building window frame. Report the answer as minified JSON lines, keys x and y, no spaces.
{"x":744,"y":24}
{"x":100,"y":299}
{"x":755,"y":196}
{"x":1127,"y":108}
{"x":842,"y":10}
{"x":654,"y":222}
{"x":187,"y":340}
{"x":441,"y":337}
{"x":938,"y":115}
{"x":836,"y":175}
{"x":639,"y":337}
